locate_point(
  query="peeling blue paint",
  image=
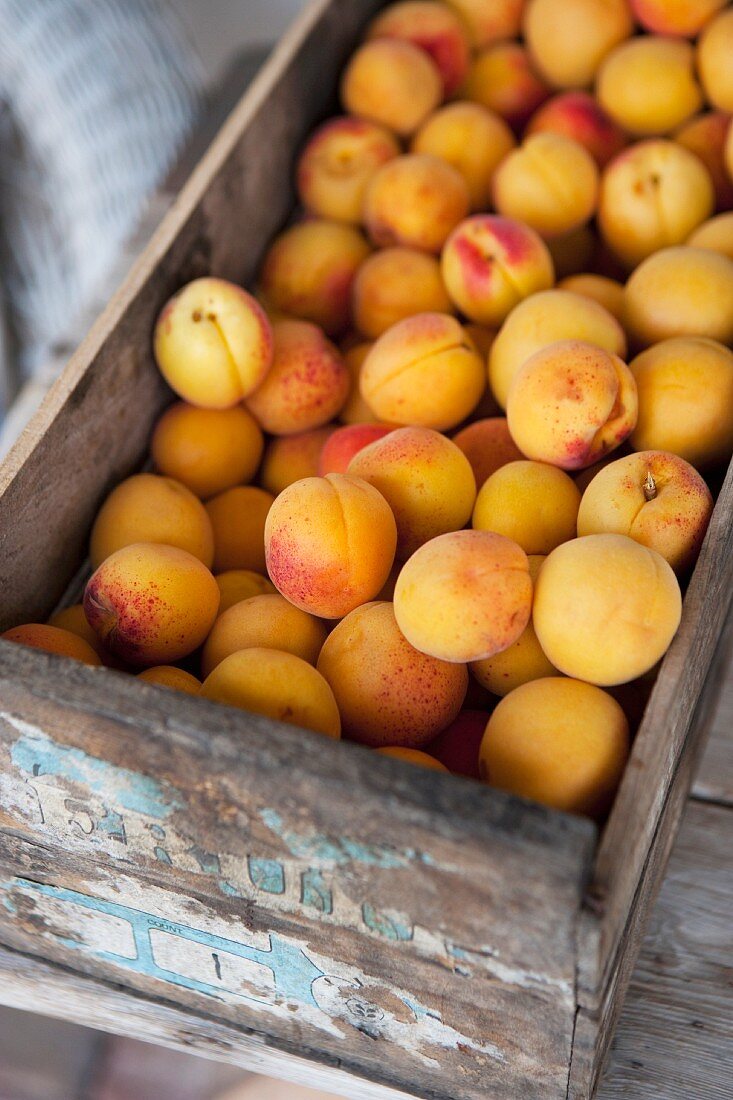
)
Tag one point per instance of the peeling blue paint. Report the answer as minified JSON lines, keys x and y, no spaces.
{"x":267,"y":875}
{"x":314,"y":892}
{"x":338,"y":851}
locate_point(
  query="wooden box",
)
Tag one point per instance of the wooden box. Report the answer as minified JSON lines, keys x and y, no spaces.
{"x":192,"y":875}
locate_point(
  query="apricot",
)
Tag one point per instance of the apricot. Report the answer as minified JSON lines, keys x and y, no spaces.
{"x":54,"y":639}
{"x":289,"y":458}
{"x":713,"y":60}
{"x":177,"y":679}
{"x":432,"y":27}
{"x":346,"y":442}
{"x":238,"y":520}
{"x":307,"y":384}
{"x":330,"y":543}
{"x":680,"y":292}
{"x":559,"y":742}
{"x":151,"y":604}
{"x":572,"y":252}
{"x":541,"y":320}
{"x":464,"y":596}
{"x":413,"y":756}
{"x":487,"y":23}
{"x":550,"y":182}
{"x":504,"y":79}
{"x":212,"y":343}
{"x":277,"y":685}
{"x":457,"y":745}
{"x":652,"y":195}
{"x":491,"y":263}
{"x":534,"y":504}
{"x":240,"y":584}
{"x":665,"y":69}
{"x":415,"y":200}
{"x":150,"y":508}
{"x":609,"y":293}
{"x":705,"y":136}
{"x":393,"y":284}
{"x":423,"y":371}
{"x":73,"y":619}
{"x":265,"y":622}
{"x":568,"y":39}
{"x":387,"y":692}
{"x":579,"y":116}
{"x":685,"y":18}
{"x":488,"y":446}
{"x":685,"y":389}
{"x":605,"y":608}
{"x":426,"y":480}
{"x":472,"y":139}
{"x":207,"y":450}
{"x":392,"y":83}
{"x":308,"y":270}
{"x":654,"y":497}
{"x":337,"y":163}
{"x":715,"y":234}
{"x":356,"y":410}
{"x":571,"y":403}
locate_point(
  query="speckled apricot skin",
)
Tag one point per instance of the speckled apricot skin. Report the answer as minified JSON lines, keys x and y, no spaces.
{"x":289,"y":458}
{"x":150,"y":508}
{"x":337,"y":164}
{"x":53,"y":639}
{"x":392,"y":83}
{"x":713,"y":61}
{"x":487,"y":445}
{"x":568,"y":39}
{"x":607,"y":292}
{"x":308,"y":271}
{"x":426,"y":480}
{"x":715,"y":234}
{"x":559,"y":742}
{"x":579,"y":116}
{"x":654,"y":497}
{"x":532,"y":503}
{"x":207,"y":450}
{"x":423,"y":371}
{"x":503,"y":78}
{"x":277,"y":685}
{"x":491,"y":263}
{"x":456,"y":747}
{"x":240,"y":584}
{"x":664,"y":68}
{"x":151,"y":604}
{"x":266,"y":622}
{"x":213,"y":343}
{"x":432,"y":27}
{"x":73,"y":619}
{"x":330,"y":543}
{"x":570,"y":404}
{"x":307,"y":384}
{"x":415,"y":201}
{"x":605,"y":608}
{"x":177,"y":679}
{"x":412,"y":756}
{"x":680,"y":292}
{"x":683,"y":18}
{"x":395,"y":283}
{"x":487,"y":23}
{"x":387,"y":692}
{"x":705,"y":136}
{"x":238,"y":520}
{"x":346,"y":442}
{"x":464,"y":596}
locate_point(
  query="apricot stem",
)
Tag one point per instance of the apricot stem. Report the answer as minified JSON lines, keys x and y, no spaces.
{"x":650,"y":486}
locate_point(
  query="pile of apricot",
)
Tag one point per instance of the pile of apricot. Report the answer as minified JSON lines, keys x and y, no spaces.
{"x":435,"y":484}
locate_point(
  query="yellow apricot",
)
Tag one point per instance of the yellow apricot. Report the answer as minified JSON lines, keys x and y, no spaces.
{"x":532,"y":503}
{"x":240,"y":584}
{"x":680,"y":292}
{"x":664,"y":68}
{"x":392,"y":83}
{"x":265,"y":622}
{"x":568,"y":39}
{"x":207,"y":450}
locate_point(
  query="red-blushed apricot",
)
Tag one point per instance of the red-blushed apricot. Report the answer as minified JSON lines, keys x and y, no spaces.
{"x":149,"y":508}
{"x":605,"y":608}
{"x":541,"y":320}
{"x":213,"y":343}
{"x":570,"y":404}
{"x":491,"y":263}
{"x":654,"y":497}
{"x":307,"y":384}
{"x":289,"y":458}
{"x":426,"y":480}
{"x":241,"y":584}
{"x":685,"y":18}
{"x":392,"y":83}
{"x":73,"y":618}
{"x":609,"y":293}
{"x":356,"y":410}
{"x":432,"y":27}
{"x":207,"y":450}
{"x":423,"y":371}
{"x":685,"y":400}
{"x":579,"y":116}
{"x":457,"y":745}
{"x":680,"y":292}
{"x":652,"y":195}
{"x":550,"y":183}
{"x":277,"y":685}
{"x":705,"y":136}
{"x":559,"y":742}
{"x":504,"y":79}
{"x":338,"y":162}
{"x":464,"y":596}
{"x":534,"y":504}
{"x":493,"y":22}
{"x":263,"y":622}
{"x":415,"y":200}
{"x":665,"y":69}
{"x":330,"y":543}
{"x":395,"y":283}
{"x":177,"y":679}
{"x":238,"y":520}
{"x":472,"y":139}
{"x":713,"y":60}
{"x":53,"y":639}
{"x":387,"y":692}
{"x":568,"y":39}
{"x":413,"y":756}
{"x":151,"y":604}
{"x":345,"y":443}
{"x":716,"y":234}
{"x":488,"y":446}
{"x":308,"y":270}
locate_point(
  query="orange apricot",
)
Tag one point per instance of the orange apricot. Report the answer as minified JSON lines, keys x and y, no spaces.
{"x":395,"y":283}
{"x":568,"y":39}
{"x":503,"y":78}
{"x":413,"y":756}
{"x":177,"y":679}
{"x":346,"y":442}
{"x":240,"y":584}
{"x":337,"y":164}
{"x":238,"y":521}
{"x":680,"y":292}
{"x":432,"y":27}
{"x":392,"y":83}
{"x":579,"y":116}
{"x":488,"y":445}
{"x":53,"y":639}
{"x":289,"y":458}
{"x":266,"y":622}
{"x":415,"y":200}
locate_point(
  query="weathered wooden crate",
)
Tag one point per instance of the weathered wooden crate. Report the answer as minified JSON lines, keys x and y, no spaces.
{"x":189,"y":874}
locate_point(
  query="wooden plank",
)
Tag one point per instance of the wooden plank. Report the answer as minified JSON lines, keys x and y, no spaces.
{"x":714,"y":779}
